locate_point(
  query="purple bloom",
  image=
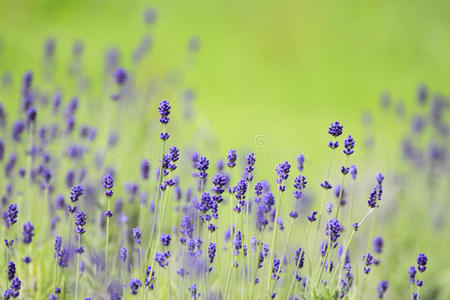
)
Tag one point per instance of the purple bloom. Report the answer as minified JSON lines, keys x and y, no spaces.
{"x":275,"y":268}
{"x":80,"y":222}
{"x":299,"y":258}
{"x":211,"y":252}
{"x":58,"y":245}
{"x":120,"y":76}
{"x":231,"y":158}
{"x":422,"y":262}
{"x":108,"y":184}
{"x":412,"y":274}
{"x":28,"y":232}
{"x":335,"y":129}
{"x":312,"y":217}
{"x":382,"y":288}
{"x":11,"y":270}
{"x":250,"y":166}
{"x":299,"y":185}
{"x":353,"y":172}
{"x":135,"y":284}
{"x":165,"y":239}
{"x":145,"y":169}
{"x":333,"y":230}
{"x":123,"y":254}
{"x":77,"y":191}
{"x":137,"y":235}
{"x":193,"y":290}
{"x":31,"y":115}
{"x":293,"y":214}
{"x":237,"y":243}
{"x":378,"y":244}
{"x":349,"y":144}
{"x":368,"y":260}
{"x":17,"y":129}
{"x":300,"y":162}
{"x":150,"y":15}
{"x":202,"y":166}
{"x":11,"y":217}
{"x":164,"y":111}
{"x":326,"y":185}
{"x":162,"y":258}
{"x":283,"y":174}
{"x":186,"y":229}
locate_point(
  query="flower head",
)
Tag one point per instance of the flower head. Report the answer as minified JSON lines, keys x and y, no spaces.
{"x":335,"y":129}
{"x":164,"y":111}
{"x":28,"y":234}
{"x":422,"y":262}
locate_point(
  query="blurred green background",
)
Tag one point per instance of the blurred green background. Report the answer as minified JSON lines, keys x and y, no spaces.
{"x":269,"y":76}
{"x":282,"y":69}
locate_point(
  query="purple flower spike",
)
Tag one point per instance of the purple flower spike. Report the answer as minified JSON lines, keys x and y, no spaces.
{"x":422,"y":261}
{"x":335,"y":129}
{"x":164,"y":111}
{"x":120,"y":76}
{"x":312,"y":217}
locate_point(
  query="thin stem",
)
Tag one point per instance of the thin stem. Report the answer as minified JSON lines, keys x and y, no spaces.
{"x":107,"y":240}
{"x":78,"y":268}
{"x":284,"y":253}
{"x":298,"y":262}
{"x":157,"y":200}
{"x":274,"y":239}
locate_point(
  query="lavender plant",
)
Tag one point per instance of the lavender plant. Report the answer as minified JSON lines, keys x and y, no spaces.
{"x":223,"y":233}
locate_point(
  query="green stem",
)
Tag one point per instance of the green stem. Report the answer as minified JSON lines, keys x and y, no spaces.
{"x":107,"y":241}
{"x":298,"y":262}
{"x":78,"y":269}
{"x":274,"y":240}
{"x":155,"y":215}
{"x":284,"y":253}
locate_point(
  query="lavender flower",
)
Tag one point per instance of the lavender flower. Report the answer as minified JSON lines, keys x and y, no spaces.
{"x":11,"y":270}
{"x":311,"y":218}
{"x":77,"y":191}
{"x":120,"y":76}
{"x":13,"y":211}
{"x":231,"y":158}
{"x":349,"y":144}
{"x":333,"y":231}
{"x":162,"y":259}
{"x":211,"y":252}
{"x":382,"y":288}
{"x":135,"y":284}
{"x":194,"y":293}
{"x":108,"y":184}
{"x":250,"y":166}
{"x":326,"y":185}
{"x":378,"y":244}
{"x":137,"y":235}
{"x":145,"y":169}
{"x":299,"y":185}
{"x":353,"y":172}
{"x":28,"y":232}
{"x":300,"y":162}
{"x":422,"y":262}
{"x":412,"y":274}
{"x":368,"y":260}
{"x":123,"y":254}
{"x":335,"y":129}
{"x":237,"y":243}
{"x":299,"y":258}
{"x":165,"y":239}
{"x":164,"y":111}
{"x":80,"y":222}
{"x":283,"y":174}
